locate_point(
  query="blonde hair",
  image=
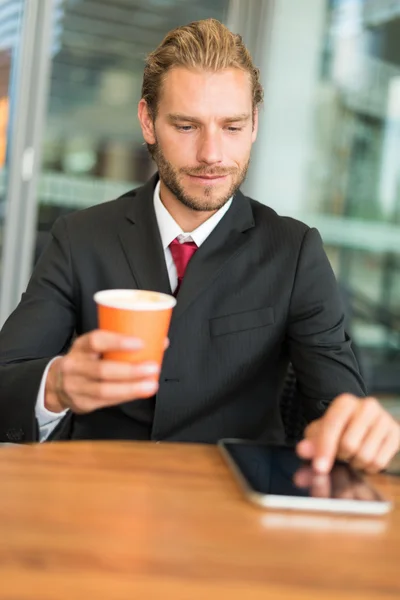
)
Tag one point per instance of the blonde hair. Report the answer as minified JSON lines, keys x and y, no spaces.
{"x":206,"y":44}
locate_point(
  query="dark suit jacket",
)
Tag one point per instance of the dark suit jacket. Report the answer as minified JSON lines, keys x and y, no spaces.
{"x":258,"y":293}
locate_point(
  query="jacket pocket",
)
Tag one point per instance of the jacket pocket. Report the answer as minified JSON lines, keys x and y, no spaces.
{"x":249,"y":319}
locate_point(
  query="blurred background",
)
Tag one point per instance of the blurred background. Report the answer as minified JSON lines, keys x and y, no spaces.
{"x":328,"y":151}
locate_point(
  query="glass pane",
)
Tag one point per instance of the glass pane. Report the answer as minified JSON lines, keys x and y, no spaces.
{"x":332,"y":148}
{"x":10,"y":29}
{"x":360,"y":200}
{"x":93,"y":149}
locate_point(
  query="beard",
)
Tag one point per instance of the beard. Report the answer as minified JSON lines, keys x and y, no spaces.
{"x":207,"y":201}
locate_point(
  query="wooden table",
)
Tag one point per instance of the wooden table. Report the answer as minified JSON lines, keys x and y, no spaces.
{"x":137,"y":520}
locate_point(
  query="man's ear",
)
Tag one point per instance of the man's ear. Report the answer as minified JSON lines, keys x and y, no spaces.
{"x":146,"y":122}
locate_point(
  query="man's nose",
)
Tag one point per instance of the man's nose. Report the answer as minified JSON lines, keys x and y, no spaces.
{"x":210,"y":148}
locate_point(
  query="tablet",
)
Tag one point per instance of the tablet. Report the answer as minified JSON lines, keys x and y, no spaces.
{"x":275,"y":477}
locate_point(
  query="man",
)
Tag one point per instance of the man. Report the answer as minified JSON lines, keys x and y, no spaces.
{"x":258,"y":290}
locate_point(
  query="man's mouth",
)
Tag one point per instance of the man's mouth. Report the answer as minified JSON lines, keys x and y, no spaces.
{"x":209,"y":178}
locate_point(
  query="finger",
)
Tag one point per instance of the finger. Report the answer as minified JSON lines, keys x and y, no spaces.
{"x":86,"y":396}
{"x":166,"y":343}
{"x":370,"y":444}
{"x":100,"y":341}
{"x":305,"y":449}
{"x":312,"y":429}
{"x":360,"y":428}
{"x":106,"y":370}
{"x":389,"y":447}
{"x":331,"y":428}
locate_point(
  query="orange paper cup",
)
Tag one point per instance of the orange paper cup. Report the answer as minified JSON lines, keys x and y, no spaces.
{"x":137,"y":313}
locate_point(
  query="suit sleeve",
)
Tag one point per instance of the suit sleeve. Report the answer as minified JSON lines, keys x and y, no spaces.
{"x":319,"y":348}
{"x":40,"y":328}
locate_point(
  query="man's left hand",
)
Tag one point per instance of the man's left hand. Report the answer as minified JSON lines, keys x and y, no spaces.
{"x":357,"y":430}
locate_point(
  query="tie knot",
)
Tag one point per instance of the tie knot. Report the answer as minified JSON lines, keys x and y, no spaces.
{"x":182,"y":253}
{"x":177,"y":243}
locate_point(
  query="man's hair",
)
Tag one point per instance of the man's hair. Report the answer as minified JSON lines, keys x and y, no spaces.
{"x":207,"y":45}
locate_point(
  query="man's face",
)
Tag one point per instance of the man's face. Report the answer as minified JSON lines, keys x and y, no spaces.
{"x":202,"y":134}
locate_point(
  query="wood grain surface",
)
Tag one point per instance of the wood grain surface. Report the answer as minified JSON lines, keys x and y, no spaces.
{"x":130,"y":520}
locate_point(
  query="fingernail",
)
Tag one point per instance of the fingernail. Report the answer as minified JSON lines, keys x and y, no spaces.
{"x":132,"y":343}
{"x":321,"y":465}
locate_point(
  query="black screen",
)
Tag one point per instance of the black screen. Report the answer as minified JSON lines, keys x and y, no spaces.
{"x":277,"y":470}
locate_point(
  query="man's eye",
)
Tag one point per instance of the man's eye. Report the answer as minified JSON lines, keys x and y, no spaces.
{"x":235,"y":129}
{"x":184,"y":127}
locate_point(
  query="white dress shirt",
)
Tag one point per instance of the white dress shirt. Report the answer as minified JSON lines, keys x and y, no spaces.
{"x":169,"y":230}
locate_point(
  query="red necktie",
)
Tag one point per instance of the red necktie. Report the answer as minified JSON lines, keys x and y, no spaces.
{"x":181,"y":253}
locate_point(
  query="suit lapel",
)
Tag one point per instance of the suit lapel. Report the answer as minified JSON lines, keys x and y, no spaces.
{"x":225,"y":242}
{"x":141,"y":241}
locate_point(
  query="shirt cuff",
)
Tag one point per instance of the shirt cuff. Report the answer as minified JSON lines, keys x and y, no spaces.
{"x":47,"y":420}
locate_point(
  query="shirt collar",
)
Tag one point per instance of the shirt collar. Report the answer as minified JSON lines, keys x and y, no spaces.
{"x":169,"y":228}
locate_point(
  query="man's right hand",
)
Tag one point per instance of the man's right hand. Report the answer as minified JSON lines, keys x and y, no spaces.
{"x":83,"y":382}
